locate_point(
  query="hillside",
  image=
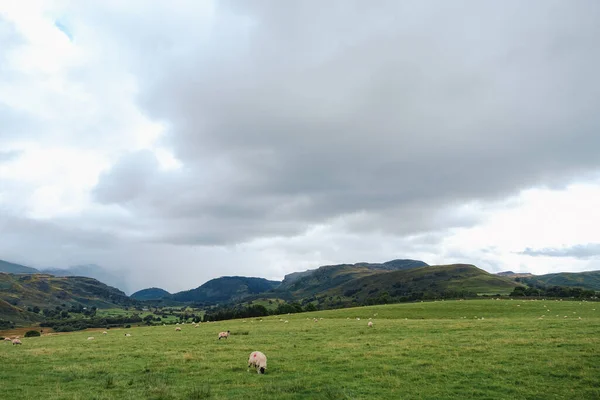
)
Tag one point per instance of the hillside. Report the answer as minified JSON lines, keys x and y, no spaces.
{"x":47,"y":291}
{"x":585,"y":280}
{"x":225,"y":289}
{"x":331,"y":276}
{"x":150,"y":294}
{"x":433,"y":280}
{"x":12,"y":268}
{"x":91,"y":271}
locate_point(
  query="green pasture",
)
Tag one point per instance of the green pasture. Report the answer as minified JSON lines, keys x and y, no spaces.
{"x":477,"y":349}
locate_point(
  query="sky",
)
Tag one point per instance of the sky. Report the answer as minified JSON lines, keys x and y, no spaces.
{"x":176,"y":142}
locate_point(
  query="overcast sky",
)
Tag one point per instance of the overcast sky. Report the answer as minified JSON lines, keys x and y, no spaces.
{"x":175,"y":142}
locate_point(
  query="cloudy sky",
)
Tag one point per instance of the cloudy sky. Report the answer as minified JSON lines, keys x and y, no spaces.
{"x":175,"y":142}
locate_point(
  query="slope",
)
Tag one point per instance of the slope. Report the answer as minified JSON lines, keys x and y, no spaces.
{"x":330,"y":276}
{"x":47,"y":291}
{"x":585,"y":280}
{"x":430,"y":280}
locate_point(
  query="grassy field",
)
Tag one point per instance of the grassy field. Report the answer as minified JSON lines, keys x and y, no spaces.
{"x":478,"y":349}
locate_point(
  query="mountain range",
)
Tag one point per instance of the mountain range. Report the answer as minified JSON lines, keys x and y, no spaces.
{"x":22,"y":287}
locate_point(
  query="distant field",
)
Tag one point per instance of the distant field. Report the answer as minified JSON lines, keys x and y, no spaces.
{"x":436,"y":350}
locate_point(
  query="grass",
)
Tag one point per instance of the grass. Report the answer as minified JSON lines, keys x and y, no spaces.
{"x":436,"y":350}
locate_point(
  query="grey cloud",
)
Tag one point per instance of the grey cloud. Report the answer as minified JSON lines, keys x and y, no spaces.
{"x":580,"y":251}
{"x":396,"y":113}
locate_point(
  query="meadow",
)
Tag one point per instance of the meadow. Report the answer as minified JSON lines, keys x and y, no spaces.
{"x":476,"y":349}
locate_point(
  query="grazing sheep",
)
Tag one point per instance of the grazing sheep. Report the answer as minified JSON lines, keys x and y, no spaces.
{"x":127,"y":334}
{"x":259,"y":361}
{"x":105,"y":333}
{"x":316,"y":320}
{"x":177,"y":329}
{"x":16,"y":341}
{"x":7,"y":339}
{"x":370,"y":324}
{"x":223,"y":335}
{"x":358,"y":319}
{"x":91,"y":338}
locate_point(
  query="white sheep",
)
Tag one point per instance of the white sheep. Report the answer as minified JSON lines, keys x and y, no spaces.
{"x":286,"y":321}
{"x":91,"y":338}
{"x":224,"y":335}
{"x":370,"y":324}
{"x":259,"y":361}
{"x":177,"y":329}
{"x":127,"y":335}
{"x":16,"y":341}
{"x":7,"y":339}
{"x":105,"y":333}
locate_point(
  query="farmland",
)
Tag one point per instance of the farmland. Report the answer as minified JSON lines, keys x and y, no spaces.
{"x":494,"y":349}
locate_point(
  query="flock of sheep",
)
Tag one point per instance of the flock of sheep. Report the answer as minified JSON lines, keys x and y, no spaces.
{"x":256,"y":360}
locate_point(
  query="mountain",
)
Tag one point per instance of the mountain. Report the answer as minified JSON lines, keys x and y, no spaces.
{"x":226,"y":289}
{"x":435,"y":279}
{"x":47,"y":291}
{"x":150,"y":294}
{"x":12,"y":268}
{"x":585,"y":280}
{"x":91,"y":271}
{"x":329,"y":276}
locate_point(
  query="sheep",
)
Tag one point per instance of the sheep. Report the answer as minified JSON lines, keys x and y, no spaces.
{"x":91,"y":338}
{"x":177,"y":329}
{"x":105,"y":333}
{"x":259,"y":361}
{"x":195,"y":326}
{"x":7,"y":339}
{"x":223,"y":335}
{"x":127,"y":334}
{"x":286,"y":321}
{"x":16,"y":341}
{"x":370,"y":324}
{"x":316,"y":320}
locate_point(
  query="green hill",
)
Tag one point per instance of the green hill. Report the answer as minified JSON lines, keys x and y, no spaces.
{"x":47,"y":291}
{"x":225,"y":289}
{"x":150,"y":294}
{"x":585,"y":280}
{"x":430,"y":280}
{"x":12,"y":268}
{"x":331,"y":276}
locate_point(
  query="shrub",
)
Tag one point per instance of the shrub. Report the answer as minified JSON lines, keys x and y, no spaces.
{"x":32,"y":333}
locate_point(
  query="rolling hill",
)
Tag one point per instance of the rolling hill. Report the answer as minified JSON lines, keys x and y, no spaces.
{"x":91,"y":271}
{"x":225,"y":289}
{"x":437,"y":279}
{"x":47,"y":291}
{"x":585,"y":280}
{"x":330,"y":276}
{"x":150,"y":294}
